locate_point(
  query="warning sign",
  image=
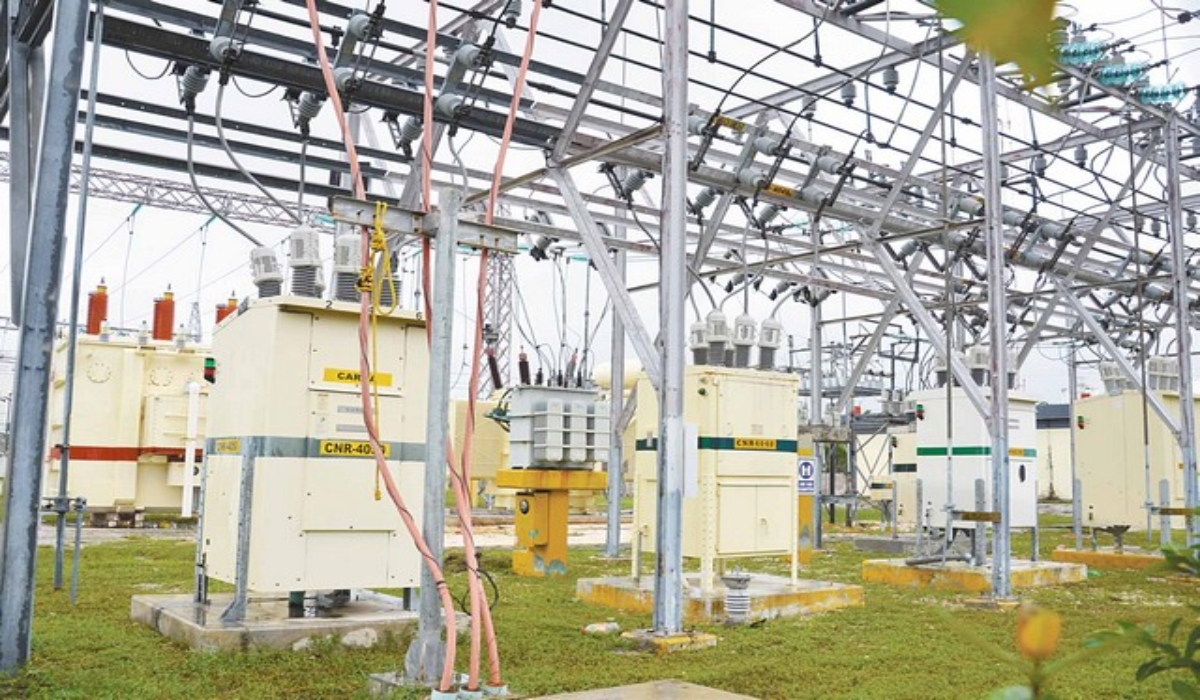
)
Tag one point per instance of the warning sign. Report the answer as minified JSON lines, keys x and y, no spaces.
{"x":806,"y":482}
{"x":353,"y":376}
{"x":227,"y":446}
{"x":350,"y":448}
{"x":754,"y":444}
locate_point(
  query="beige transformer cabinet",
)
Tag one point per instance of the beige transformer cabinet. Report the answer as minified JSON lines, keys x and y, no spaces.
{"x":288,"y":380}
{"x":1110,"y":464}
{"x":740,"y":475}
{"x":129,"y":421}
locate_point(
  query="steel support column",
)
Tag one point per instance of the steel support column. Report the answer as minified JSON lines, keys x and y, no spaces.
{"x":1072,"y":396}
{"x":998,"y":327}
{"x":1183,"y":326}
{"x":425,"y":654}
{"x":616,"y":441}
{"x":60,"y":505}
{"x":673,"y":273}
{"x":31,"y":392}
{"x":21,"y":185}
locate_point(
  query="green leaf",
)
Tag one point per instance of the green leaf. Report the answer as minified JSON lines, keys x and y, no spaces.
{"x":1185,"y":690}
{"x":1193,"y":644}
{"x":1010,"y":31}
{"x":1148,"y":669}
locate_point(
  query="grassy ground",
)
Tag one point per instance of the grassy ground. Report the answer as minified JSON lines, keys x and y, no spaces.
{"x":902,"y":644}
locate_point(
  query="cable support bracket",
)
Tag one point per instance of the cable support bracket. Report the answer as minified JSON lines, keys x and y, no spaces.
{"x":472,"y":231}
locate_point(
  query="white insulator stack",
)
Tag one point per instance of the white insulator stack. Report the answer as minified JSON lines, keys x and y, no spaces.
{"x":347,"y":249}
{"x":267,"y":276}
{"x":716,"y":332}
{"x":744,"y":329}
{"x":304,"y":257}
{"x":698,"y":342}
{"x":770,"y":337}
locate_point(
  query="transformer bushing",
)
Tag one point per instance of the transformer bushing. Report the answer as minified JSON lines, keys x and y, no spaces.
{"x":770,"y":338}
{"x":744,"y":329}
{"x":716,"y":332}
{"x":267,"y":276}
{"x":698,"y":343}
{"x":304,"y":252}
{"x":346,"y":249}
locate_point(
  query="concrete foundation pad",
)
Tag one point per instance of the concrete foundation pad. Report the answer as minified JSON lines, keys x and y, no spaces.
{"x":361,"y":623}
{"x":658,"y":690}
{"x":960,"y":576}
{"x":770,"y":596}
{"x":383,"y":685}
{"x":905,"y":544}
{"x":1108,"y":558}
{"x":647,"y":640}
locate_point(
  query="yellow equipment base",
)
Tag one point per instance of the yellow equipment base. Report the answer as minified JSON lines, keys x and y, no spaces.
{"x":770,"y":596}
{"x":1107,"y":558}
{"x":540,"y":515}
{"x":959,"y":576}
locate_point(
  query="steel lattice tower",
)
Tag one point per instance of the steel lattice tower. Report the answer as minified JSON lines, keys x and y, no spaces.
{"x":497,"y":310}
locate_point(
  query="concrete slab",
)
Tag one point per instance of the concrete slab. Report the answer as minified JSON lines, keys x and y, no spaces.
{"x":658,"y":690}
{"x":904,"y":544}
{"x":384,"y":685}
{"x":361,"y":623}
{"x":960,"y":576}
{"x":647,"y":640}
{"x":1108,"y":558}
{"x":770,"y":596}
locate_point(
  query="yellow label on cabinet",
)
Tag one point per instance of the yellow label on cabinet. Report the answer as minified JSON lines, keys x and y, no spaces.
{"x":353,"y":376}
{"x":754,"y":444}
{"x":350,"y":448}
{"x":228,"y":446}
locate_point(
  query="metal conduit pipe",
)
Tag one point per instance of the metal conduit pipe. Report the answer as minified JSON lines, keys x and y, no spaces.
{"x":936,"y":559}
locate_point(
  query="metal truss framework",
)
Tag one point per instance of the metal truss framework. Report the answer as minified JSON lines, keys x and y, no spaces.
{"x":982,"y":226}
{"x":171,"y":195}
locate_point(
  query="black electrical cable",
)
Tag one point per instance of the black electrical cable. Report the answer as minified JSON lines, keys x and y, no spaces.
{"x":251,"y":95}
{"x":160,"y":76}
{"x":237,"y":163}
{"x":191,"y":168}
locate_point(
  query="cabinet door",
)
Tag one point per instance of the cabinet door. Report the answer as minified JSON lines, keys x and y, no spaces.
{"x":737,"y":509}
{"x":773,"y":525}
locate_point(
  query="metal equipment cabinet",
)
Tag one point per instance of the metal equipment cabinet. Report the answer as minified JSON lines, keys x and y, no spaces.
{"x":287,"y":405}
{"x":740,"y":471}
{"x":969,"y":452}
{"x":1111,"y":463}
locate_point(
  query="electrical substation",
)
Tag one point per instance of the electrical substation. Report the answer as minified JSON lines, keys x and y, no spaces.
{"x":366,"y":346}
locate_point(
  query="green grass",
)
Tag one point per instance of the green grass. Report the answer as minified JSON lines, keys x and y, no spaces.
{"x":902,"y":644}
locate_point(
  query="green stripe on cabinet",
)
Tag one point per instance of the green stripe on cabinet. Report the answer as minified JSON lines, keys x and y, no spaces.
{"x":972,"y":451}
{"x":729,"y":444}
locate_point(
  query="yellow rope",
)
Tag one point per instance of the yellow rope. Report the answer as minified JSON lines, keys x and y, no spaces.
{"x":378,"y":248}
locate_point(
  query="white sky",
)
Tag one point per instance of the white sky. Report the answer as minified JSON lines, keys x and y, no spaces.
{"x":139,"y":259}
